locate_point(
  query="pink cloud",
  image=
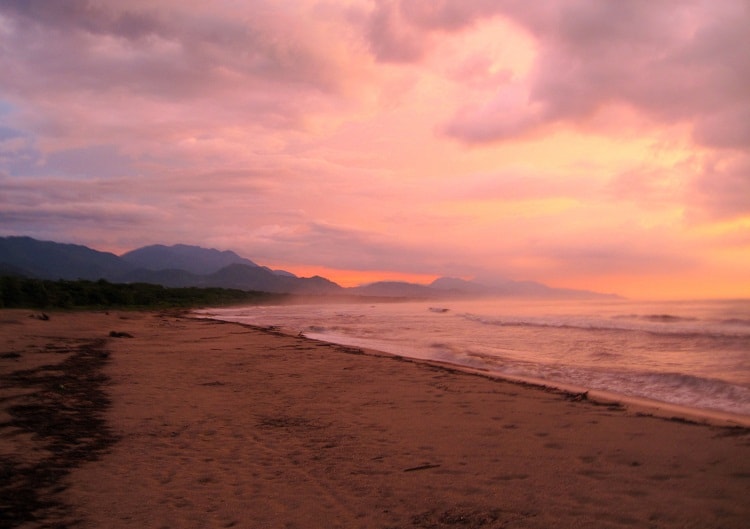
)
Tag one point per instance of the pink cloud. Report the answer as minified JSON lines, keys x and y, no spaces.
{"x":400,"y":31}
{"x":722,"y":190}
{"x":392,"y":39}
{"x":515,"y":185}
{"x":414,"y":135}
{"x":729,"y":128}
{"x":650,"y":188}
{"x":446,"y":15}
{"x":687,"y":61}
{"x":509,"y":114}
{"x":261,"y":64}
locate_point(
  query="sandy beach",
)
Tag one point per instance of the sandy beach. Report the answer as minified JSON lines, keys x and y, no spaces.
{"x":159,"y":420}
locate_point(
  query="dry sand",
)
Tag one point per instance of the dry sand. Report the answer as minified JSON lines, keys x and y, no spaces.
{"x":194,"y":423}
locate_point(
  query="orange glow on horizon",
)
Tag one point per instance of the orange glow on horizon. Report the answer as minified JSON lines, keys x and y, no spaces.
{"x":692,"y":286}
{"x":455,"y":138}
{"x":355,"y":278}
{"x":675,"y":287}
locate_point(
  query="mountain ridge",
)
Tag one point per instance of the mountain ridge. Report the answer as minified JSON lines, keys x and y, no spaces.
{"x":194,"y":266}
{"x":60,"y":260}
{"x":193,"y":259}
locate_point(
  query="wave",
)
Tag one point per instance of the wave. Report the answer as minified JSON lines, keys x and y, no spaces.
{"x":596,"y":347}
{"x":660,"y":318}
{"x":682,"y":389}
{"x":657,"y":324}
{"x":736,"y":321}
{"x":671,"y":387}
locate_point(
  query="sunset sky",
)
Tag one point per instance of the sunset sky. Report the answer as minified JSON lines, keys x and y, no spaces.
{"x":582,"y":143}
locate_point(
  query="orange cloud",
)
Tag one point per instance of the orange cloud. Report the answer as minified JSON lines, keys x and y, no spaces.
{"x":583,"y":144}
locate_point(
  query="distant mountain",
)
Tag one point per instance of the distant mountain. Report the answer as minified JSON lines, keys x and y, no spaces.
{"x":261,"y":278}
{"x":193,"y":259}
{"x":451,"y":288}
{"x":52,"y":260}
{"x":172,"y":266}
{"x":458,"y":286}
{"x":280,"y":272}
{"x":396,"y":289}
{"x":239,"y":276}
{"x":192,"y":266}
{"x":507,"y":288}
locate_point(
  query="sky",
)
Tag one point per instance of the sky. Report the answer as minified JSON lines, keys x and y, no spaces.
{"x":580,"y":143}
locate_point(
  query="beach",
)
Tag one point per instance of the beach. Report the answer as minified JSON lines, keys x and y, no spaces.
{"x":165,"y":420}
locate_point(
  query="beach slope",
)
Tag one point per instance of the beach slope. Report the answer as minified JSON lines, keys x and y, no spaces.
{"x":160,"y":420}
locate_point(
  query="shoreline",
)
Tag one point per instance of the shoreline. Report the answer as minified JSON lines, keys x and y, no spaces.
{"x":220,"y":424}
{"x":636,"y":405}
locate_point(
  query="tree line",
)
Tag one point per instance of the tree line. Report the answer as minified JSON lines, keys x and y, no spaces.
{"x":22,"y":292}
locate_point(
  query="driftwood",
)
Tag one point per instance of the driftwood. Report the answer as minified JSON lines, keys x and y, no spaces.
{"x":421,"y":467}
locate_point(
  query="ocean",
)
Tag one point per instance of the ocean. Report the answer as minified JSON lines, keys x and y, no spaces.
{"x":694,"y":354}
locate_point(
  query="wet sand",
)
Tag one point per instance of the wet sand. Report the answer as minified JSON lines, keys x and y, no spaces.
{"x":179,"y":422}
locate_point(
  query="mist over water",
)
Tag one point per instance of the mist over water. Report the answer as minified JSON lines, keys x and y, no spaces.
{"x":694,"y":354}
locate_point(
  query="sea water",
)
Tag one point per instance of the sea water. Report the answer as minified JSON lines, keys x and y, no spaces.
{"x":693,"y":354}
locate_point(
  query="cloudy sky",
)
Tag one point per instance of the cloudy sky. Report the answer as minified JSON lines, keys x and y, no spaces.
{"x":582,"y":143}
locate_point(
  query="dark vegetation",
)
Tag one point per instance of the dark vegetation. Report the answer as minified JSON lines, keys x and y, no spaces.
{"x":22,"y":292}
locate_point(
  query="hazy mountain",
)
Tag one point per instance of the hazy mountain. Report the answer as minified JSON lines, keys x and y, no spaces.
{"x":280,"y":272}
{"x":52,"y":260}
{"x":451,"y":287}
{"x":193,"y":259}
{"x":260,"y":278}
{"x":460,"y":287}
{"x":396,"y":289}
{"x":185,"y":266}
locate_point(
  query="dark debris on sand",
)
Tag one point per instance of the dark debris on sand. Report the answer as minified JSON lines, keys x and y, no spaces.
{"x":65,"y":415}
{"x":467,"y":517}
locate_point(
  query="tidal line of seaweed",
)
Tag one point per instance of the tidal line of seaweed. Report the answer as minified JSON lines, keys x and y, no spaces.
{"x":65,"y":415}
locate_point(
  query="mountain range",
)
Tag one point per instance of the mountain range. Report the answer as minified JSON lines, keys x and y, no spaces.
{"x":193,"y":266}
